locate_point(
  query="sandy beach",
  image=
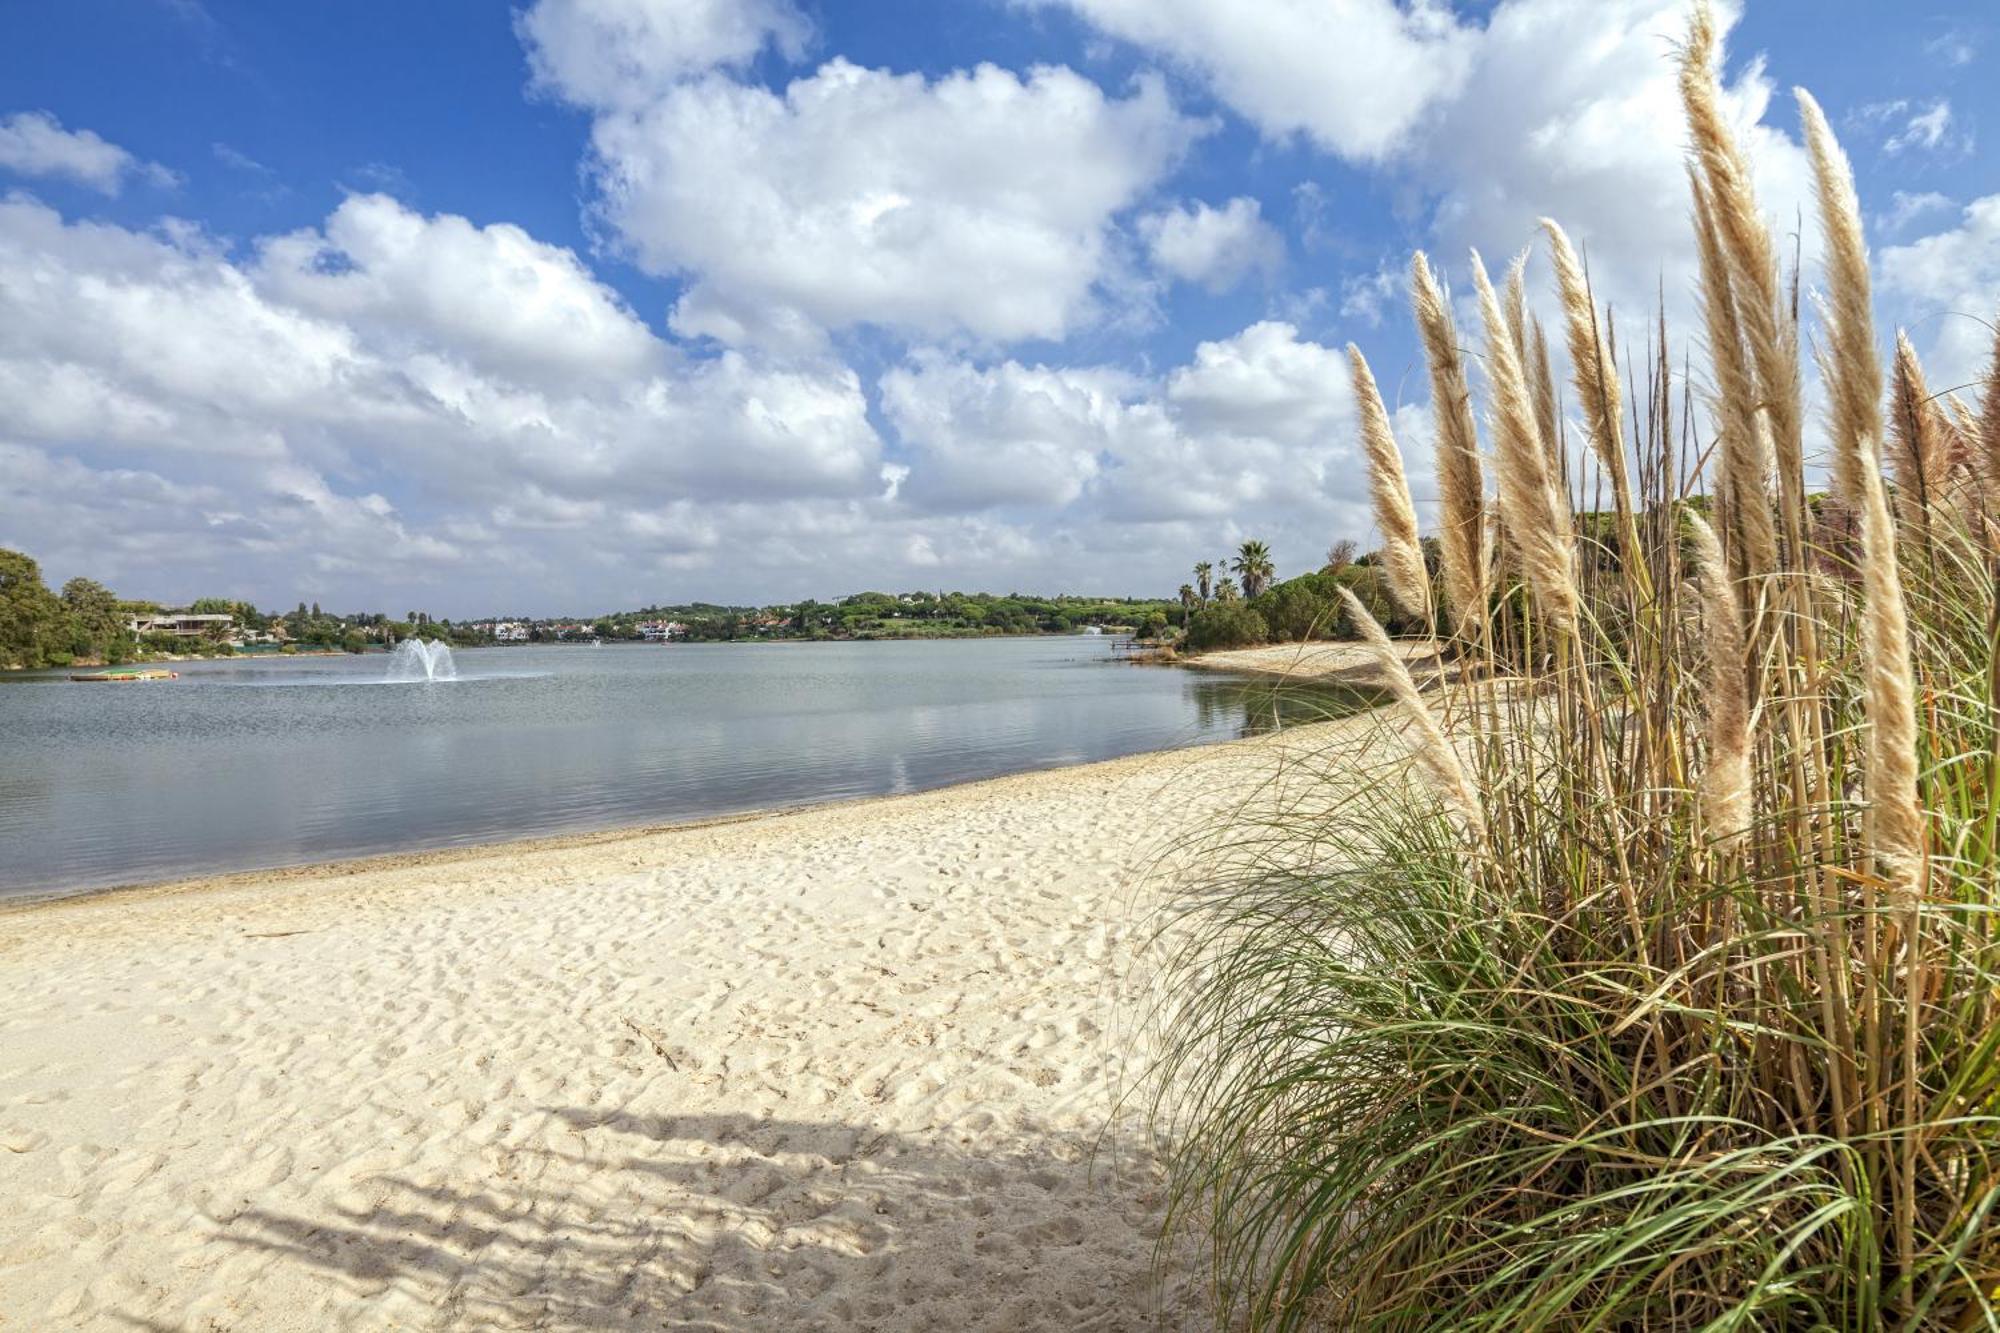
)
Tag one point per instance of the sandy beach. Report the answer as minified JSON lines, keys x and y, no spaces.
{"x":853,"y":1067}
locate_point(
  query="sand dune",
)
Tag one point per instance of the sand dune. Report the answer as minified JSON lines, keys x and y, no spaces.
{"x":847,"y":1068}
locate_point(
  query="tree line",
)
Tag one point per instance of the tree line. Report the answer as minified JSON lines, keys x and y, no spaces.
{"x":87,"y":623}
{"x":1239,"y":602}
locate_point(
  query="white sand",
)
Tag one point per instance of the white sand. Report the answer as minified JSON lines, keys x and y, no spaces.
{"x":846,"y":1068}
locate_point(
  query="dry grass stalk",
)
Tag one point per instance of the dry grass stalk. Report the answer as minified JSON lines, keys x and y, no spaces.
{"x":1591,"y":368}
{"x":1462,"y":540}
{"x":1854,"y":387}
{"x":1434,"y":750}
{"x":1762,"y":313}
{"x":1988,"y":438}
{"x":1920,"y":435}
{"x":1743,"y":446}
{"x":1533,"y":504}
{"x":1403,"y":568}
{"x":1514,"y":300}
{"x":1542,"y":377}
{"x":1725,"y":784}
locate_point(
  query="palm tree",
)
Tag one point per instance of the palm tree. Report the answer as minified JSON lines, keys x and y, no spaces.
{"x":1204,"y":579}
{"x":1226,"y":590}
{"x":1253,"y":566}
{"x":1187,"y":601}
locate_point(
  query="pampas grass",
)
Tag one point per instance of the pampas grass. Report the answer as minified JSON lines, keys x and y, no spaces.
{"x":1698,"y":1027}
{"x":1725,"y":784}
{"x":1404,"y":574}
{"x":1920,"y":434}
{"x":1532,"y":503}
{"x":1743,"y":442}
{"x":1595,"y":378}
{"x":1768,"y":330}
{"x":1462,"y":539}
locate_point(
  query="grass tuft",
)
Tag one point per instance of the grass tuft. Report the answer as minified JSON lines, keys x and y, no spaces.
{"x":1666,"y":993}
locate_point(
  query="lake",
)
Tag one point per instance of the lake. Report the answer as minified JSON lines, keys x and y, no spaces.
{"x":246,"y":764}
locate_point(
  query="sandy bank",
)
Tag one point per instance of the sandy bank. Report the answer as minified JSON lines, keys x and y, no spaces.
{"x":843,"y":1068}
{"x":1335,"y":663}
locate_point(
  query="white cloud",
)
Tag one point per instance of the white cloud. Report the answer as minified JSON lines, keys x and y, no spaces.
{"x":1906,"y":126}
{"x":1573,"y":112}
{"x":978,"y":204}
{"x":493,"y":292}
{"x":622,"y":53}
{"x":1562,"y":108}
{"x":1929,"y":129}
{"x":1008,"y":435}
{"x":981,"y":202}
{"x":1215,"y":247}
{"x":1259,"y":423}
{"x":1954,"y":47}
{"x":1356,"y":76}
{"x":1365,"y":297}
{"x":1906,"y":207}
{"x":394,"y":412}
{"x":34,"y":143}
{"x":1949,"y":284}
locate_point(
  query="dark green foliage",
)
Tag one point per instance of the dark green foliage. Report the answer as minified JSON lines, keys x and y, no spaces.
{"x":34,"y":628}
{"x":1226,"y":625}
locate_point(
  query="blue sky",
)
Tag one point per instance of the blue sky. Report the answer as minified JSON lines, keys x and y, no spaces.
{"x":589,"y":303}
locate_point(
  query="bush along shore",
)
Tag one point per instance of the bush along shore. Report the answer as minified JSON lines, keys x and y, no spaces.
{"x":1667,"y":993}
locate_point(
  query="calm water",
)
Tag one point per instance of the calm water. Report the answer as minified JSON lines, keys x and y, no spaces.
{"x":250,"y":764}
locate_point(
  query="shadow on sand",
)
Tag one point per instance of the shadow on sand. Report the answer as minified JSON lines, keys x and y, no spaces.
{"x":606,"y":1220}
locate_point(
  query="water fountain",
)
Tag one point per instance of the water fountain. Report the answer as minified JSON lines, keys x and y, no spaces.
{"x":422,"y":659}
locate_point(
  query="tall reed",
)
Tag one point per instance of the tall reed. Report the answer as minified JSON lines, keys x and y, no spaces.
{"x":1666,"y":994}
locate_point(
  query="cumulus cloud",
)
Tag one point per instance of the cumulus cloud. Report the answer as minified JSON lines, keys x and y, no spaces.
{"x":622,"y":53}
{"x":322,"y":416}
{"x":1259,"y":423}
{"x":1006,"y":435}
{"x":34,"y":143}
{"x":493,"y":292}
{"x":1564,"y":108}
{"x":1215,"y":247}
{"x":1949,"y":283}
{"x":977,"y":204}
{"x":1354,"y":76}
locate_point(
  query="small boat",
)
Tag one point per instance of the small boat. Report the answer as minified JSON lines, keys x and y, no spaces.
{"x":148,"y":673}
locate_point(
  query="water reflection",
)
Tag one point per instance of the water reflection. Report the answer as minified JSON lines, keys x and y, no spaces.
{"x":1256,"y":707}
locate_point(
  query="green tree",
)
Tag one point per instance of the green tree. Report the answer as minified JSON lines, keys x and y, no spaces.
{"x":98,"y":624}
{"x":1253,"y":568}
{"x":1204,"y":580}
{"x":34,"y":629}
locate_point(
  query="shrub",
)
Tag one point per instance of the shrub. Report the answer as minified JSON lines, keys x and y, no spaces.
{"x":1306,"y":607}
{"x":1226,"y":625}
{"x":1670,"y":997}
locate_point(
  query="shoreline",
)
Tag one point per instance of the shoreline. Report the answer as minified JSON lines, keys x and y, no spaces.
{"x":862,"y":1064}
